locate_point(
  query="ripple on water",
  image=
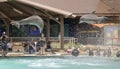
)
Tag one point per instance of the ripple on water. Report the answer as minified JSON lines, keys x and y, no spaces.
{"x":60,"y":63}
{"x":47,"y":65}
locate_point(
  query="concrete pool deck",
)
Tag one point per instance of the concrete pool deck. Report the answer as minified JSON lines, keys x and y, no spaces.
{"x":13,"y":54}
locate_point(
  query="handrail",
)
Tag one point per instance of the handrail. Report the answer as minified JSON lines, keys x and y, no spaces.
{"x":19,"y":39}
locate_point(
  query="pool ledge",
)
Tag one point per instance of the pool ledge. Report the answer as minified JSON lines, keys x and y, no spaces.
{"x":29,"y":55}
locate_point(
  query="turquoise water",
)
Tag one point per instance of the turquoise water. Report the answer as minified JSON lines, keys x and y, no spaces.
{"x":65,"y":62}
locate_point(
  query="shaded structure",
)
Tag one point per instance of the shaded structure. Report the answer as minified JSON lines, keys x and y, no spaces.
{"x":16,"y":10}
{"x":60,"y":11}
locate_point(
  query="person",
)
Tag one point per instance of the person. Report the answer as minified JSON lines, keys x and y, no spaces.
{"x":4,"y":39}
{"x":118,"y":53}
{"x":9,"y":46}
{"x":69,"y":50}
{"x":104,"y":52}
{"x":42,"y":43}
{"x":91,"y":52}
{"x":75,"y":52}
{"x":109,"y":52}
{"x":38,"y":45}
{"x":97,"y":53}
{"x":48,"y":48}
{"x":31,"y":47}
{"x":34,"y":32}
{"x":26,"y":46}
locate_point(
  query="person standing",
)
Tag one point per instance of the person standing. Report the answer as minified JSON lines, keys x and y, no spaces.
{"x":4,"y":39}
{"x":42,"y":44}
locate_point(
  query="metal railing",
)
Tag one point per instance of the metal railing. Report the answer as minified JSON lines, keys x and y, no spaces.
{"x":18,"y":41}
{"x":102,"y":41}
{"x":53,"y":39}
{"x":88,"y":40}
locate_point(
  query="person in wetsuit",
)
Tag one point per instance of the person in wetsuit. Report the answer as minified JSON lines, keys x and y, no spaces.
{"x":75,"y":52}
{"x":4,"y":40}
{"x":42,"y":43}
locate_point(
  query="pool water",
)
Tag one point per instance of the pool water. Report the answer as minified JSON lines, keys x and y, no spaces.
{"x":65,"y":62}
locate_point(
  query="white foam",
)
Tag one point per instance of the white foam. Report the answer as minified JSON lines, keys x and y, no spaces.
{"x":93,"y":64}
{"x":35,"y":65}
{"x":53,"y":65}
{"x":24,"y":61}
{"x":44,"y":64}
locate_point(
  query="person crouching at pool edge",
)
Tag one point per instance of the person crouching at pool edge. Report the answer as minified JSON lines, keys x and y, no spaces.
{"x":42,"y":43}
{"x":4,"y":40}
{"x":9,"y":45}
{"x":49,"y":48}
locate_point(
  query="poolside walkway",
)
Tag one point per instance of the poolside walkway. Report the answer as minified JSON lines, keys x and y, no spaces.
{"x":13,"y":54}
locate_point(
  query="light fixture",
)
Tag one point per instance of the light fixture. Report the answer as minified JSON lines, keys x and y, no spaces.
{"x":57,"y":18}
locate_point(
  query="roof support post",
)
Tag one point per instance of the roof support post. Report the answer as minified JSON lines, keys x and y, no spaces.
{"x":7,"y":24}
{"x":119,"y":19}
{"x":4,"y":15}
{"x":6,"y":20}
{"x":62,"y":32}
{"x":48,"y":29}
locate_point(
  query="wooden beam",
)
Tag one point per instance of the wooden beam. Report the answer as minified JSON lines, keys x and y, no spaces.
{"x":6,"y":20}
{"x":50,"y":16}
{"x":48,"y":29}
{"x":18,"y":7}
{"x":26,"y":9}
{"x":33,"y":10}
{"x":62,"y":32}
{"x":7,"y":24}
{"x":98,"y":14}
{"x":4,"y":15}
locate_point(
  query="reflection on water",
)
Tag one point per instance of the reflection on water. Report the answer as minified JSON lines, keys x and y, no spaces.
{"x":60,"y":63}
